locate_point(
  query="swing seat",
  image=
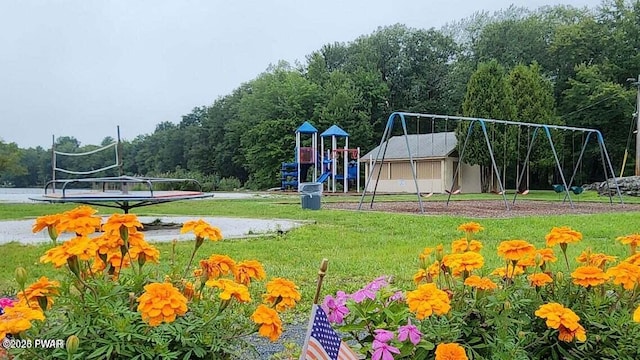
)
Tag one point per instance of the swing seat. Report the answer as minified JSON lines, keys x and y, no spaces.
{"x":455,"y":192}
{"x":577,"y":189}
{"x":558,"y":188}
{"x":523,"y":192}
{"x":425,"y":195}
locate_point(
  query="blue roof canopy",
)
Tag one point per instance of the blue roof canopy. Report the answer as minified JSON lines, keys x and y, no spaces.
{"x":334,"y":130}
{"x":307,"y":128}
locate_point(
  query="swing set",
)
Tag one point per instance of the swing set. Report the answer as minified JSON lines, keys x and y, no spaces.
{"x":533,"y":131}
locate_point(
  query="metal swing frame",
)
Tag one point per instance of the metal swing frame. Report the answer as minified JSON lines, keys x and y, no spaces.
{"x":402,"y":116}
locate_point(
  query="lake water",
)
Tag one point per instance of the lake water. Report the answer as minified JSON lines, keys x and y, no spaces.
{"x":22,"y":195}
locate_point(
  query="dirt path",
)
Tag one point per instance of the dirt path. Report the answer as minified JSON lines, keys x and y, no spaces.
{"x":489,"y":208}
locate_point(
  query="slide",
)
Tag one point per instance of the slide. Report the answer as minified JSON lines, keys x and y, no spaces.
{"x":324,"y":177}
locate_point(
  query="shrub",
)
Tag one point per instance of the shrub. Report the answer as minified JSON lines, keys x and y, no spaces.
{"x":113,"y":304}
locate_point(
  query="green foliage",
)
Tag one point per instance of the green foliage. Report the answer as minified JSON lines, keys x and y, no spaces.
{"x":498,"y":323}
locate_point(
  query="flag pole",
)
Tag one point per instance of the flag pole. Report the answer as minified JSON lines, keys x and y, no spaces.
{"x":321,"y":273}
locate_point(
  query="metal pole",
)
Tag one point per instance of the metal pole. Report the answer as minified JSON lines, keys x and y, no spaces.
{"x":525,"y":164}
{"x":53,"y":163}
{"x":555,"y":155}
{"x":637,"y":128}
{"x":455,"y":175}
{"x":373,"y":166}
{"x":493,"y":163}
{"x":413,"y":167}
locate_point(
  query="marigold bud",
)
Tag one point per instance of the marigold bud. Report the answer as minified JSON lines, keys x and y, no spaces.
{"x":559,"y":277}
{"x":124,"y":234}
{"x":73,"y":342}
{"x":21,"y":276}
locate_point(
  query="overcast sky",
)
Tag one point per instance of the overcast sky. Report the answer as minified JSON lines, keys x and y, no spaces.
{"x":80,"y":68}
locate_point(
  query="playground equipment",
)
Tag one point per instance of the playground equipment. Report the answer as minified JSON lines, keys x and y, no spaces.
{"x":327,"y":163}
{"x":296,"y":172}
{"x":350,"y":163}
{"x":565,"y":187}
{"x":111,"y":191}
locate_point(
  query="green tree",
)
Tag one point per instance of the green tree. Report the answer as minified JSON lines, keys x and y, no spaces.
{"x":10,"y":162}
{"x":488,"y":96}
{"x":594,"y":101}
{"x":534,"y":103}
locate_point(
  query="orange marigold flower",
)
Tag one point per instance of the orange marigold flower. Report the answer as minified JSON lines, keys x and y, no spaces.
{"x":80,"y":221}
{"x":632,"y":240}
{"x":80,"y":246}
{"x":481,"y":283}
{"x":450,"y":351}
{"x":625,"y":274}
{"x":282,"y":293}
{"x":17,"y":319}
{"x":247,"y":270}
{"x":202,"y":229}
{"x":515,"y":249}
{"x":475,"y":245}
{"x":594,"y":259}
{"x":56,"y":255}
{"x":49,"y":222}
{"x":567,"y":335}
{"x":636,"y":315}
{"x":589,"y":276}
{"x":470,"y":261}
{"x":269,"y":321}
{"x":139,"y":247}
{"x":526,"y":261}
{"x":470,"y":227}
{"x":117,"y":223}
{"x":562,"y":235}
{"x":539,"y":279}
{"x":161,"y":302}
{"x":425,"y":253}
{"x":563,"y":319}
{"x":188,"y":289}
{"x":39,"y":294}
{"x":421,"y":275}
{"x":633,"y":259}
{"x":108,"y":242}
{"x":426,"y":300}
{"x":459,"y":246}
{"x":230,"y":289}
{"x":218,"y":265}
{"x":511,"y":273}
{"x":546,"y":255}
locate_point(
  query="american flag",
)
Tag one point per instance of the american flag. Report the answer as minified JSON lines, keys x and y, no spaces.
{"x":322,"y":342}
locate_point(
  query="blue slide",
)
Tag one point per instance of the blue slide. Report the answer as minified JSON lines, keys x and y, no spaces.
{"x":324,"y":177}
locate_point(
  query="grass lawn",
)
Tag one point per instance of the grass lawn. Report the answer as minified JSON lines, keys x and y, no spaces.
{"x":360,"y":246}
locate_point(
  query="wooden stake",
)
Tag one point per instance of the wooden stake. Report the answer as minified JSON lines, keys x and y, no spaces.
{"x":321,"y":273}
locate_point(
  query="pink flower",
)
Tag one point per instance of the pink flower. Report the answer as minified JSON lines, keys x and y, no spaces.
{"x":383,"y":335}
{"x":383,"y":351}
{"x":370,"y":290}
{"x":336,"y":308}
{"x":6,"y":302}
{"x":377,"y":284}
{"x":409,"y":331}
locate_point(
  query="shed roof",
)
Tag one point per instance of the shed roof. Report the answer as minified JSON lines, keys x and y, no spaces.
{"x":307,"y":128}
{"x":421,"y":145}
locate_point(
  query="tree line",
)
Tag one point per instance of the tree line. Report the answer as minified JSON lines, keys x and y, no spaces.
{"x":554,"y":65}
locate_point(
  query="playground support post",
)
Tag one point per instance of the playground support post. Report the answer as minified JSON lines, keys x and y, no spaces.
{"x":525,"y":164}
{"x":358,"y":171}
{"x":555,"y":156}
{"x":345,"y":157}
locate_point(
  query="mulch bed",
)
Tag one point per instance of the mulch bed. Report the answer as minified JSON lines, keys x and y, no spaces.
{"x":489,"y":208}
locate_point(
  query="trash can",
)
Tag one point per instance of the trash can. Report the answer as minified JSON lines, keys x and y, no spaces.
{"x":310,"y":195}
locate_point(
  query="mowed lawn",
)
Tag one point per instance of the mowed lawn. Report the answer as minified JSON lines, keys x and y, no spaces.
{"x":360,"y":245}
